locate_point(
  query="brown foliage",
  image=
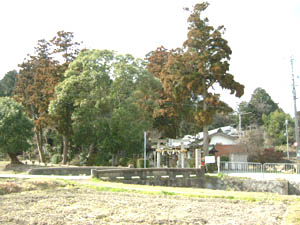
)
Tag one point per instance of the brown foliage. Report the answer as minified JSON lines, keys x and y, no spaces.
{"x":192,"y":71}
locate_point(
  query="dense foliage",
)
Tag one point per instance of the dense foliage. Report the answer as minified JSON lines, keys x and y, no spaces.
{"x":260,"y":104}
{"x":97,"y":104}
{"x":190,"y":73}
{"x":7,"y":84}
{"x":15,"y":129}
{"x":91,"y":107}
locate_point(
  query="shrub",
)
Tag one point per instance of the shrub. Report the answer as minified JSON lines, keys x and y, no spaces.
{"x":191,"y":163}
{"x":224,"y":158}
{"x":102,"y":159}
{"x":123,"y":161}
{"x":56,"y":158}
{"x":75,"y":161}
{"x":268,"y":155}
{"x":140,"y":163}
{"x":211,"y":167}
{"x":132,"y":162}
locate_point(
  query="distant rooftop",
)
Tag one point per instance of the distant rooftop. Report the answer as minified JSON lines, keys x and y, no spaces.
{"x":190,"y":140}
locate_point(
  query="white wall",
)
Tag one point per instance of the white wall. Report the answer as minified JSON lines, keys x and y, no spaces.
{"x":238,"y":157}
{"x":218,"y":139}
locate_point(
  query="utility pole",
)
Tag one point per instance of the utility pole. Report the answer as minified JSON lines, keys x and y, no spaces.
{"x":295,"y":111}
{"x":287,"y":138}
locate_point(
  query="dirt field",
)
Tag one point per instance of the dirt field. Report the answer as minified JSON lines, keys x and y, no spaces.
{"x":87,"y":202}
{"x":57,"y":202}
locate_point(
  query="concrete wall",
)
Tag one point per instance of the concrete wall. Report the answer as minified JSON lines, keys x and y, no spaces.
{"x":294,"y":188}
{"x":146,"y":174}
{"x":65,"y":171}
{"x":196,"y":178}
{"x":175,"y":177}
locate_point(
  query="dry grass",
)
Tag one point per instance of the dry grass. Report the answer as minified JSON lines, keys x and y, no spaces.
{"x":31,"y":201}
{"x":7,"y":168}
{"x":42,"y":201}
{"x":8,"y":186}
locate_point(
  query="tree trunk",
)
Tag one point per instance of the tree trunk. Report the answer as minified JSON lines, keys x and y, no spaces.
{"x":112,"y":160}
{"x":205,"y":126}
{"x":205,"y":140}
{"x":14,"y":159}
{"x":39,"y":142}
{"x":91,"y":149}
{"x":91,"y":156}
{"x":65,"y":149}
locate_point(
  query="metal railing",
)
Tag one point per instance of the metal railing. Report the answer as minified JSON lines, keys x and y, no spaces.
{"x":247,"y":167}
{"x":288,"y":168}
{"x":252,"y":167}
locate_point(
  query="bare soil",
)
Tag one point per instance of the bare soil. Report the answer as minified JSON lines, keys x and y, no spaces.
{"x":57,"y":202}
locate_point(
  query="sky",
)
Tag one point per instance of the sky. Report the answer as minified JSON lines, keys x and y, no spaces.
{"x":263,"y":35}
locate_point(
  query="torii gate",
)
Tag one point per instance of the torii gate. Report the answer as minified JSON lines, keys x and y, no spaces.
{"x":159,"y":150}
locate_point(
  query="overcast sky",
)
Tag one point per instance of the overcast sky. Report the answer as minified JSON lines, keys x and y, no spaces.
{"x":263,"y":35}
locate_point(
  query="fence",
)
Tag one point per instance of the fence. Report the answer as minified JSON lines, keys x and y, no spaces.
{"x":247,"y":167}
{"x":288,"y":168}
{"x":251,"y":167}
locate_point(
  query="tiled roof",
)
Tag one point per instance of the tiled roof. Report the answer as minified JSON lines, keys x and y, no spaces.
{"x":225,"y":150}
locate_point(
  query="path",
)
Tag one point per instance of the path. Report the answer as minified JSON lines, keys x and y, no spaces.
{"x":27,"y":176}
{"x":267,"y":176}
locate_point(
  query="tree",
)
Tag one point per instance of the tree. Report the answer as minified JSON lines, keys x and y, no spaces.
{"x":189,"y":74}
{"x":222,"y":120}
{"x":103,"y":93}
{"x":35,"y":88}
{"x":15,"y":129}
{"x":7,"y":84}
{"x":172,"y":104}
{"x":86,"y":84}
{"x":275,"y":127}
{"x":260,"y":104}
{"x":131,"y":95}
{"x":39,"y":75}
{"x":253,"y":142}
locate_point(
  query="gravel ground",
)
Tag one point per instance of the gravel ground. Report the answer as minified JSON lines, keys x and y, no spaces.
{"x":88,"y":206}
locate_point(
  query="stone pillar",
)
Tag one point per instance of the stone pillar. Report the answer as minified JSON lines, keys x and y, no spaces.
{"x":182,"y":155}
{"x":158,"y":155}
{"x":158,"y":159}
{"x":182,"y":159}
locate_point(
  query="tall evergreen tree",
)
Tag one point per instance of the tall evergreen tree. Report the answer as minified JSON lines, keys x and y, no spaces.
{"x":35,"y":88}
{"x":260,"y":104}
{"x":7,"y":83}
{"x":39,"y":75}
{"x":190,"y":73}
